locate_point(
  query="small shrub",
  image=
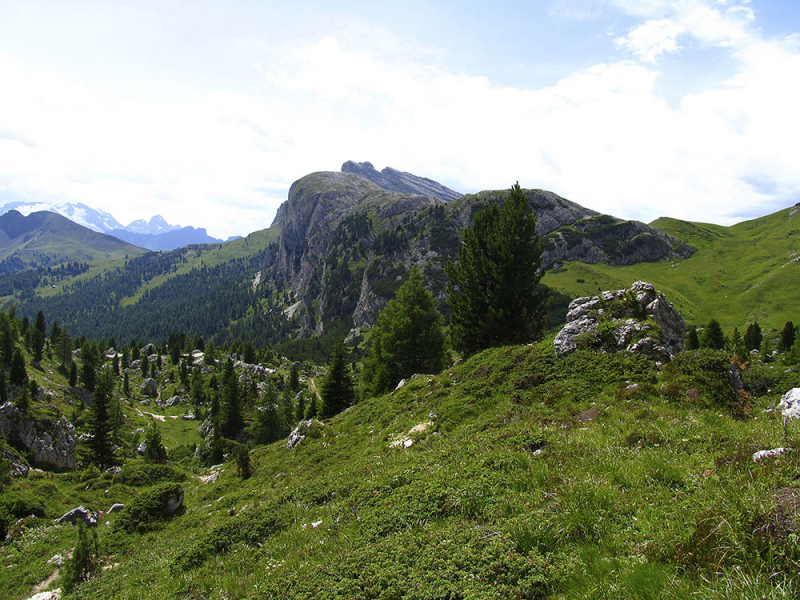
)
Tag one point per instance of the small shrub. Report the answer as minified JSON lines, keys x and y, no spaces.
{"x":707,"y":370}
{"x":83,"y":562}
{"x":143,"y":474}
{"x":90,"y":472}
{"x":150,"y":506}
{"x":250,"y":528}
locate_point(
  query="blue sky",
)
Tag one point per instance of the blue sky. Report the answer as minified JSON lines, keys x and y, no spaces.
{"x":206,"y":112}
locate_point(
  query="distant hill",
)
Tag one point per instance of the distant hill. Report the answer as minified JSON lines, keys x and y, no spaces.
{"x":168,"y":240}
{"x":743,"y":273}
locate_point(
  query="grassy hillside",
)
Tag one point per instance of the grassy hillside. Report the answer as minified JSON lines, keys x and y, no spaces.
{"x":738,"y":275}
{"x":512,"y":475}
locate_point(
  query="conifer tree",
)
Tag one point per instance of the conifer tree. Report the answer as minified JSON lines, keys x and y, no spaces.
{"x":154,"y":450}
{"x":337,"y":388}
{"x":100,"y":421}
{"x":73,"y":373}
{"x":231,"y":408}
{"x":692,"y":341}
{"x":493,"y":287}
{"x":407,"y":338}
{"x":713,"y":337}
{"x":753,"y":337}
{"x":18,"y":374}
{"x":266,"y":427}
{"x":788,"y":335}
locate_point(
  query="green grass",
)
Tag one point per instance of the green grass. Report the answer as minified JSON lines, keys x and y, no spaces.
{"x":738,"y":275}
{"x":509,"y":492}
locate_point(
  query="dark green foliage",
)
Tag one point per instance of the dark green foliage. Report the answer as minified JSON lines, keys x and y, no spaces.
{"x":3,"y":388}
{"x":40,"y":324}
{"x":692,"y":340}
{"x":250,"y":528}
{"x":753,"y":337}
{"x":337,"y":388}
{"x":18,"y":374}
{"x":406,"y":339}
{"x":713,"y":338}
{"x":73,"y":373}
{"x":788,"y":335}
{"x":83,"y":562}
{"x":148,"y":508}
{"x":231,"y":420}
{"x":294,"y":377}
{"x":267,"y":424}
{"x":23,"y":400}
{"x":16,"y":505}
{"x":140,"y":474}
{"x":37,"y":345}
{"x":707,"y":371}
{"x":154,"y":449}
{"x":241,"y":456}
{"x":89,"y":364}
{"x":312,"y":410}
{"x":492,"y":289}
{"x":100,"y":422}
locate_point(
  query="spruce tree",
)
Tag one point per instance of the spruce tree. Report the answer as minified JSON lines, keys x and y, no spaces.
{"x":713,"y":337}
{"x":493,"y":287}
{"x":231,"y":408}
{"x":407,"y":338}
{"x":692,"y":341}
{"x":753,"y":337}
{"x":267,"y":426}
{"x":337,"y":388}
{"x":100,"y":425}
{"x":788,"y":336}
{"x":18,"y":374}
{"x":154,"y":450}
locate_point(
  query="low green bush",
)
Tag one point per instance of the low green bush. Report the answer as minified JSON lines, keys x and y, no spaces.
{"x":149,"y":507}
{"x":707,"y":371}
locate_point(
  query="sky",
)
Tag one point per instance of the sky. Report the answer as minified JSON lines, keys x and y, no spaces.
{"x":206,"y":112}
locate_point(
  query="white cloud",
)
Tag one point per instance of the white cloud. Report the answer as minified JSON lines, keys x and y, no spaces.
{"x":651,"y":40}
{"x":601,"y":136}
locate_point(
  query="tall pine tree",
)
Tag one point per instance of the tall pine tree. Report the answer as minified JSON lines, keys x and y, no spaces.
{"x":100,"y":421}
{"x":492,"y":288}
{"x":406,"y":339}
{"x":337,"y":388}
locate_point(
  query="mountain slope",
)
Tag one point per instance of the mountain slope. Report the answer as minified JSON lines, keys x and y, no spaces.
{"x":91,"y":218}
{"x":338,"y":250}
{"x":739,"y":274}
{"x":44,"y":239}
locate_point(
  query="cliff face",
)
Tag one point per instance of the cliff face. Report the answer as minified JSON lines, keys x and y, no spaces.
{"x":347,"y":242}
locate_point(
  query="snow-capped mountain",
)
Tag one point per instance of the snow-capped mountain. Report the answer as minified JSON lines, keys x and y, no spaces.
{"x":156,"y":226}
{"x":91,"y":218}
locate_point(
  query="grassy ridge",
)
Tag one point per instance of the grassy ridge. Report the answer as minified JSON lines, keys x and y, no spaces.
{"x":527,"y":476}
{"x":738,"y":275}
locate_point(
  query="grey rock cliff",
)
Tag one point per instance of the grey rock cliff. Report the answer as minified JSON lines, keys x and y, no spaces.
{"x":51,"y":445}
{"x":400,"y":181}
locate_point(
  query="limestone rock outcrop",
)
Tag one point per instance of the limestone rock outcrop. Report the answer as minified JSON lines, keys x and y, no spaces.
{"x":51,"y":444}
{"x":636,"y":319}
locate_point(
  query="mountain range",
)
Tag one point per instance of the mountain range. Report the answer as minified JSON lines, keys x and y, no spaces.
{"x":155,"y":234}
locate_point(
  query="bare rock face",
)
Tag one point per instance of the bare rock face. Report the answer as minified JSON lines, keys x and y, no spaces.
{"x":309,"y":427}
{"x":634,"y":319}
{"x":51,"y":445}
{"x":400,"y":181}
{"x":149,"y":387}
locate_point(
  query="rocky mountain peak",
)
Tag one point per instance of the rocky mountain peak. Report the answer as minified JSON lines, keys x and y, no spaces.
{"x":400,"y":181}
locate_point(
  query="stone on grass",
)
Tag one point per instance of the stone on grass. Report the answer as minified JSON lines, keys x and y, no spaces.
{"x":80,"y":513}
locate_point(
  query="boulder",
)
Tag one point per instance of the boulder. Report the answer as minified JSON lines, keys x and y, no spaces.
{"x":80,"y":513}
{"x":149,"y":387}
{"x":790,"y":404}
{"x":636,"y":319}
{"x":50,"y":444}
{"x":19,"y":466}
{"x":175,"y":400}
{"x":115,"y":508}
{"x":308,"y":427}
